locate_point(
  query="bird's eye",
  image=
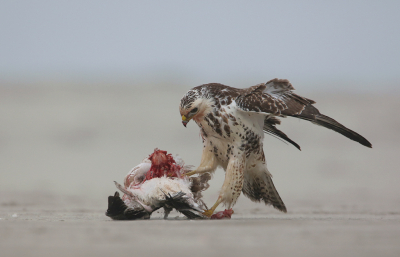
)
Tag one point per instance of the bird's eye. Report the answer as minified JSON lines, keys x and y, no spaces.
{"x":194,"y":110}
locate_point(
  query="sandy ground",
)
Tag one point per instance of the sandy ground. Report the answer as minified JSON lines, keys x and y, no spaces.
{"x":61,"y":148}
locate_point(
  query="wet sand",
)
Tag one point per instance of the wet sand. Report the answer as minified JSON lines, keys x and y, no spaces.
{"x":61,"y":148}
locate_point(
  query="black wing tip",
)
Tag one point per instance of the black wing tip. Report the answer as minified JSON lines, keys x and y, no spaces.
{"x":179,"y":203}
{"x":350,"y":134}
{"x":116,"y":207}
{"x":273,"y":131}
{"x":332,"y":124}
{"x":365,"y":142}
{"x":362,"y":140}
{"x":118,"y":210}
{"x":353,"y":136}
{"x":292,"y":142}
{"x":369,"y":146}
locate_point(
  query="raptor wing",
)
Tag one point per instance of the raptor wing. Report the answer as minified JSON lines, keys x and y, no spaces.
{"x":276,"y":98}
{"x":270,"y":128}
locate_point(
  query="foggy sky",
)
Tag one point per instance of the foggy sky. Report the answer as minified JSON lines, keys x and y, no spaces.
{"x":202,"y":41}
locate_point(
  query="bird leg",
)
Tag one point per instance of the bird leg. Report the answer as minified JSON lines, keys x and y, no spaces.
{"x":210,"y":212}
{"x":190,"y":173}
{"x":208,"y":163}
{"x":232,"y":186}
{"x":200,"y":170}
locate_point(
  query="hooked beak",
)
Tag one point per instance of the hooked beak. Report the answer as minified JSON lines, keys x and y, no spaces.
{"x":185,"y":120}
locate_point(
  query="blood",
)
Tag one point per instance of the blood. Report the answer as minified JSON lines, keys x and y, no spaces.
{"x":226,"y":214}
{"x":162,"y":164}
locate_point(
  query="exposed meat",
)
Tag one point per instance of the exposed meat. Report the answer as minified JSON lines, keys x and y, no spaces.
{"x":163,"y":164}
{"x":226,"y":214}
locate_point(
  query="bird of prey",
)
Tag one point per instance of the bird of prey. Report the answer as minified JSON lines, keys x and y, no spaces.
{"x":232,"y":123}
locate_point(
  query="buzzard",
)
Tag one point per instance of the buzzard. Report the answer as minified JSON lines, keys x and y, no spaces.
{"x":232,"y":123}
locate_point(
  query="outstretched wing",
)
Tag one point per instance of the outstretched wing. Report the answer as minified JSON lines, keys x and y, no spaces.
{"x":276,"y":98}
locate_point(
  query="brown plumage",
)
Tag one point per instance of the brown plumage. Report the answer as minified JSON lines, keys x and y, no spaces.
{"x":276,"y":97}
{"x":232,"y":122}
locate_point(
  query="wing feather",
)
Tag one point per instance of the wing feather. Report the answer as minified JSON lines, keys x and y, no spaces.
{"x":276,"y":97}
{"x":269,"y":127}
{"x":273,"y":97}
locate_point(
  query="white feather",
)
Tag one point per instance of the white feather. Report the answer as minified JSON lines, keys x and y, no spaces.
{"x":136,"y":174}
{"x":152,"y":190}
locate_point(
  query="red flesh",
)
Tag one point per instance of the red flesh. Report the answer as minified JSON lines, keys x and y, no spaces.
{"x":222,"y":215}
{"x":162,"y":164}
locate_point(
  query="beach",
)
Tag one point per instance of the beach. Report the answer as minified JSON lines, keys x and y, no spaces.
{"x":61,"y":148}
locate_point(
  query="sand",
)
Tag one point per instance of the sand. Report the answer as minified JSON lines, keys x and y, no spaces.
{"x":62,"y":147}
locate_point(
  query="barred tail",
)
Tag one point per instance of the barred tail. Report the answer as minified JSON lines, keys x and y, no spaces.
{"x":259,"y":187}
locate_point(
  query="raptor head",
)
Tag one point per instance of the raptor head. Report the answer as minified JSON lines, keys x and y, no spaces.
{"x":194,"y":106}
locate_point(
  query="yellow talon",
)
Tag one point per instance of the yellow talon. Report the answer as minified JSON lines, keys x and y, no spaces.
{"x":190,"y":173}
{"x":208,"y":213}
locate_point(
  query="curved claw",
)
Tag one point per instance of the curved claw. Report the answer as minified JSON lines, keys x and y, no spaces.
{"x":190,"y":173}
{"x":208,"y":213}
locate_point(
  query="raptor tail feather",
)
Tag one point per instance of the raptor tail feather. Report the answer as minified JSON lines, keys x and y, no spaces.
{"x":259,"y":187}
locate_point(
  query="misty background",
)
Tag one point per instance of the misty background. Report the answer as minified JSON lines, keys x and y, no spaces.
{"x":90,"y":88}
{"x":347,"y":45}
